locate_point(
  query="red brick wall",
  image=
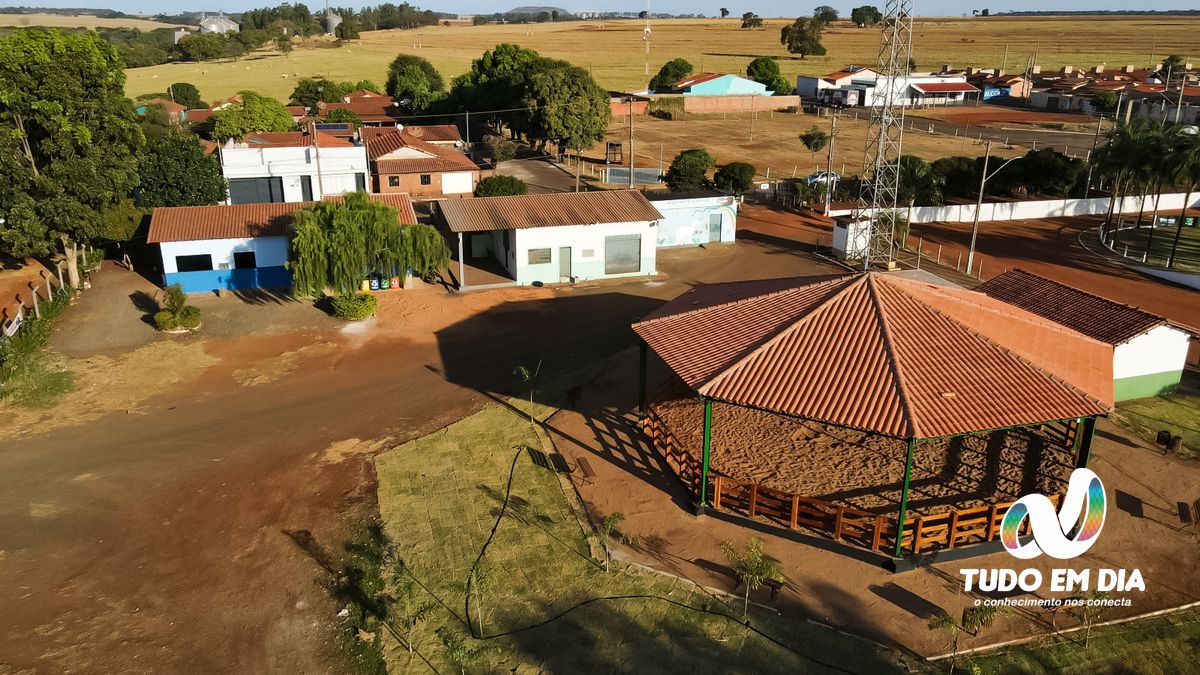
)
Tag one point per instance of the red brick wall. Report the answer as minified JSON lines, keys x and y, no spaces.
{"x":714,"y":104}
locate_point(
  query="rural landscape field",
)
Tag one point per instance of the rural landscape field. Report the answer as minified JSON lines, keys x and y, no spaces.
{"x":78,"y":21}
{"x":613,"y":50}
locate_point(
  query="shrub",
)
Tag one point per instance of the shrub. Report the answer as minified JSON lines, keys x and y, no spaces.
{"x":188,"y":317}
{"x":499,"y":186}
{"x":354,"y":307}
{"x":667,"y":108}
{"x":688,"y":171}
{"x":500,"y":148}
{"x":174,"y":312}
{"x":165,"y":320}
{"x":735,"y":177}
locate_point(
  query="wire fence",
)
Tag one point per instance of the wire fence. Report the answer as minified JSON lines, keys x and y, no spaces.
{"x":1148,"y":244}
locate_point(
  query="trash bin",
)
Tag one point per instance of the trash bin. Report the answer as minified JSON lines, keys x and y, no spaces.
{"x":374,"y":283}
{"x":1163,"y":438}
{"x":1176,"y":444}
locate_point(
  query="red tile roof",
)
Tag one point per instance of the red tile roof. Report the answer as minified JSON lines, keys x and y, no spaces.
{"x":845,"y":72}
{"x":434,"y":132}
{"x":437,"y":159}
{"x":942,"y":87}
{"x":199,"y":114}
{"x":293,"y":139}
{"x":167,"y":105}
{"x":245,"y":221}
{"x":484,"y":214}
{"x":379,"y":109}
{"x":880,"y":353}
{"x":1103,"y":319}
{"x":695,"y":79}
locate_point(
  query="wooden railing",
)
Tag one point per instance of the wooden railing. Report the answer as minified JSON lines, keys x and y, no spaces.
{"x":877,"y":532}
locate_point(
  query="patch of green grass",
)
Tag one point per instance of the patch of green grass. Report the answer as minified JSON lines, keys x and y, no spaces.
{"x":1166,"y":644}
{"x":29,"y":377}
{"x":1187,"y":256}
{"x":544,"y":602}
{"x":1178,"y":412}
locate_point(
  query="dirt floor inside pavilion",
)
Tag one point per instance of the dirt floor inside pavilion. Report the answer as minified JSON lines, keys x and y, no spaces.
{"x":866,"y":471}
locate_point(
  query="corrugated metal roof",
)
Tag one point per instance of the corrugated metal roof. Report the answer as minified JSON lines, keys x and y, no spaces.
{"x":244,"y":221}
{"x":1103,"y":319}
{"x":943,"y":87}
{"x":693,"y":80}
{"x":484,"y":214}
{"x":880,"y":353}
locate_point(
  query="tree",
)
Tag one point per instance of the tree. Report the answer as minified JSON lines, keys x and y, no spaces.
{"x":347,"y":29}
{"x":500,"y":185}
{"x":309,"y":92}
{"x":608,"y":528}
{"x":960,"y":175}
{"x":415,"y":79}
{"x":284,"y":44}
{"x":814,"y":139}
{"x":765,"y":69}
{"x":1187,"y":173}
{"x":68,"y":141}
{"x":407,"y":608}
{"x":497,"y":81}
{"x":175,"y":171}
{"x":751,"y":20}
{"x":803,"y":37}
{"x":1174,"y":62}
{"x":866,"y":16}
{"x":671,"y":71}
{"x":752,"y":568}
{"x":1049,"y":172}
{"x":256,"y":113}
{"x":689,"y":171}
{"x":974,"y":619}
{"x":735,"y":177}
{"x":567,"y":107}
{"x":825,"y":14}
{"x":1104,"y":101}
{"x":917,"y":181}
{"x":724,"y":12}
{"x":459,"y":651}
{"x":186,"y":95}
{"x":202,"y":46}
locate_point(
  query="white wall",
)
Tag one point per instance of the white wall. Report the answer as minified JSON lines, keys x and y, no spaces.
{"x":1160,"y":350}
{"x":457,"y":183}
{"x":685,"y":221}
{"x":587,"y":250}
{"x":338,"y":168}
{"x":1046,"y":208}
{"x":268,"y":251}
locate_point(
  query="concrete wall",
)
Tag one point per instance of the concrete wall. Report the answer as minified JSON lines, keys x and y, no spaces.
{"x":338,"y":168}
{"x":1149,"y":364}
{"x":457,"y":183}
{"x":270,"y":258}
{"x":1043,"y":208}
{"x":621,"y":109}
{"x":686,"y":221}
{"x":587,"y":251}
{"x":713,"y":104}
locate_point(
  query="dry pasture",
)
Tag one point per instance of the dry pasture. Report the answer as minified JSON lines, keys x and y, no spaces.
{"x":78,"y":21}
{"x":613,"y":50}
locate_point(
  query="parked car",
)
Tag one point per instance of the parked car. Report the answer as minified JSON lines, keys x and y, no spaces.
{"x":821,"y":177}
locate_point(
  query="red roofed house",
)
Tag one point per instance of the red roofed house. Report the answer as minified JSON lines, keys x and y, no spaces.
{"x":372,"y":111}
{"x":174,"y":111}
{"x":856,"y":86}
{"x":292,"y":166}
{"x":403,"y":163}
{"x":241,"y":247}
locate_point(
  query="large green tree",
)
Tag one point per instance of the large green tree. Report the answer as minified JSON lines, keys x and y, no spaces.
{"x":497,"y":81}
{"x":175,"y":171}
{"x":865,"y":16}
{"x":308,"y":92}
{"x":256,"y":113}
{"x":671,"y":71}
{"x":689,"y":171}
{"x":825,"y":14}
{"x":803,"y":37}
{"x":202,"y":46}
{"x":414,"y":78}
{"x":186,"y":95}
{"x":765,"y":70}
{"x":568,"y":108}
{"x":68,"y":141}
{"x":918,"y":182}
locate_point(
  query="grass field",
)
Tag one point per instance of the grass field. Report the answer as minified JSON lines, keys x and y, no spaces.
{"x":78,"y":21}
{"x":441,"y":496}
{"x":1187,"y":257}
{"x":1179,"y":412}
{"x":613,"y":50}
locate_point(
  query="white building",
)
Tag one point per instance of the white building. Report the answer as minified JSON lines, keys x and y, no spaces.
{"x":1149,"y":352}
{"x":291,"y":167}
{"x":694,"y":219}
{"x":554,"y":238}
{"x":863,"y":87}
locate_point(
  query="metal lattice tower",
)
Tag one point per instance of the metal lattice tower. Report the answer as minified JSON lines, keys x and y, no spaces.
{"x":881,"y":165}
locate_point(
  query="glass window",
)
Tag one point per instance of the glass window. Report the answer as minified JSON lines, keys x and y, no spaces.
{"x":426,"y":179}
{"x":193,"y":263}
{"x":244,"y":260}
{"x":623,"y":254}
{"x":393,"y":181}
{"x":539,"y":256}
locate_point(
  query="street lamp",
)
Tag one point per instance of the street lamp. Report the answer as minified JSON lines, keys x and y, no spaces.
{"x":984,"y":177}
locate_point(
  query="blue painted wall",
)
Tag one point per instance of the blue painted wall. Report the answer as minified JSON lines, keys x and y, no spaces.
{"x":231,"y":280}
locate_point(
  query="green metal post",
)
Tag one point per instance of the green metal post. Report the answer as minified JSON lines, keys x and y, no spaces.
{"x":642,"y":380}
{"x":912,"y":446}
{"x":704,"y":457}
{"x":1085,"y":444}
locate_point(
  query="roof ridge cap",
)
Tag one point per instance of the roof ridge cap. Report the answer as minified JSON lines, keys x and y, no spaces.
{"x":1014,"y":355}
{"x":820,"y":308}
{"x":892,"y":357}
{"x":729,"y":303}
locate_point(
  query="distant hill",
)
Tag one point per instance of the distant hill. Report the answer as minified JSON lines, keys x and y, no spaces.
{"x":537,"y":10}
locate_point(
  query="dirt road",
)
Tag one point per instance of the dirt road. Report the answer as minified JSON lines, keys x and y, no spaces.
{"x":157,"y":539}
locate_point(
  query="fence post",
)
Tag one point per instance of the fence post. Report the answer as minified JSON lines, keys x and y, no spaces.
{"x":37,"y":310}
{"x":939,"y":254}
{"x":717,"y":493}
{"x":58,"y":267}
{"x":795,"y":511}
{"x":877,"y":539}
{"x":991,"y":524}
{"x":953,"y":529}
{"x":958,"y":263}
{"x":918,"y":530}
{"x":49,"y":289}
{"x":979,"y":270}
{"x":920,"y":242}
{"x":837,"y":522}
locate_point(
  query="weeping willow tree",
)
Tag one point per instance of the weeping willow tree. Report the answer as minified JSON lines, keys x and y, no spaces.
{"x":337,"y":244}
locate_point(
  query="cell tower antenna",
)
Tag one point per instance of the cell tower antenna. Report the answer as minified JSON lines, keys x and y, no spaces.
{"x":879,"y":188}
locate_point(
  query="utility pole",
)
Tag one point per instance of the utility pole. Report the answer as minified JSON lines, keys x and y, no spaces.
{"x":630,"y":99}
{"x":829,"y":182}
{"x":984,"y":177}
{"x":1087,"y":185}
{"x":317,"y":155}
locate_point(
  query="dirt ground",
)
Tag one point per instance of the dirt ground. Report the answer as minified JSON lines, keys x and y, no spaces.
{"x":995,"y":115}
{"x":853,"y":591}
{"x":15,"y":277}
{"x":865,"y":470}
{"x":157,"y":531}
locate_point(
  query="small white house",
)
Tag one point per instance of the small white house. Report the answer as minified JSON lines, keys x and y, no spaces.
{"x":692,"y":219}
{"x":855,"y":87}
{"x":553,"y":238}
{"x":1149,"y":353}
{"x":292,"y":166}
{"x":851,"y":237}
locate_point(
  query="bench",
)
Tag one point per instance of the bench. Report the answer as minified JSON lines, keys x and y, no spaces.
{"x":585,"y":468}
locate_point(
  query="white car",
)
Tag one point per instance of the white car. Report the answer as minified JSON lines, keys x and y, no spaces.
{"x":821,"y":177}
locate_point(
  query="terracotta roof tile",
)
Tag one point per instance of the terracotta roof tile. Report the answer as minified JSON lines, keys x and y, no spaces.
{"x":293,"y":139}
{"x":1103,"y":319}
{"x":437,"y":159}
{"x":484,"y":214}
{"x":244,"y":221}
{"x":880,"y":353}
{"x":433,"y":132}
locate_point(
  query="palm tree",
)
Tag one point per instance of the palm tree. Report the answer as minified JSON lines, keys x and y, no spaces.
{"x":918,"y":181}
{"x":974,"y":620}
{"x":1186,"y":160}
{"x":1161,"y":165}
{"x":752,"y":567}
{"x":1121,"y":158}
